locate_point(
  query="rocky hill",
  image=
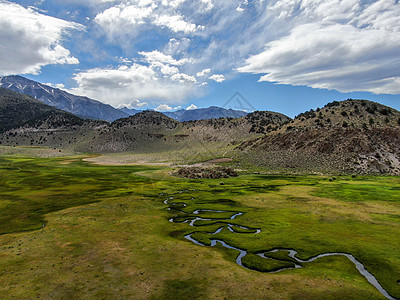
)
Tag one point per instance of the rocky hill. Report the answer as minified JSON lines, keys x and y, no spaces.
{"x":27,"y":121}
{"x":346,"y":114}
{"x":21,"y":111}
{"x":146,"y":119}
{"x":352,"y":136}
{"x":80,"y":106}
{"x":11,"y":114}
{"x":266,"y":121}
{"x":147,"y":131}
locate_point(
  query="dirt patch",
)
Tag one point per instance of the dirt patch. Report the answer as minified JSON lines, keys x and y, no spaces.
{"x":120,"y":160}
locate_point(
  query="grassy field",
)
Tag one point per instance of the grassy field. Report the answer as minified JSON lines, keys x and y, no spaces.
{"x":71,"y":229}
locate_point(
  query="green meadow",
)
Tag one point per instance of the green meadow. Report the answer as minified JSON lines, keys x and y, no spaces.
{"x":73,"y":229}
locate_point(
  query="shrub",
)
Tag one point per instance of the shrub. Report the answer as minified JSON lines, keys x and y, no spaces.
{"x":372,"y":109}
{"x":332,"y":104}
{"x":200,"y":172}
{"x":385,"y":111}
{"x":371,"y":121}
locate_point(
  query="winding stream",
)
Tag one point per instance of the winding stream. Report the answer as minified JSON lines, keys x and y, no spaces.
{"x":291,"y":253}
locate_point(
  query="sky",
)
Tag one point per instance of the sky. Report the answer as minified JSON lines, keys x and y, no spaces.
{"x":280,"y":55}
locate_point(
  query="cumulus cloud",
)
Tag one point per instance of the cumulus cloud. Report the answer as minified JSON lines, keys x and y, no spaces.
{"x":176,"y":23}
{"x":56,"y":85}
{"x":129,"y":18}
{"x":31,"y":40}
{"x":159,"y":57}
{"x":143,"y":82}
{"x":133,"y":104}
{"x":203,"y":73}
{"x":351,"y":46}
{"x":218,"y":78}
{"x":123,"y":20}
{"x":163,"y":107}
{"x":169,"y":70}
{"x":191,"y":107}
{"x":183,"y":78}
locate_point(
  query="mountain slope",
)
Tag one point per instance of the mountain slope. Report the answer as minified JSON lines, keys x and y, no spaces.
{"x":80,"y":106}
{"x":29,"y":122}
{"x":346,"y":114}
{"x":17,"y":109}
{"x":352,"y":136}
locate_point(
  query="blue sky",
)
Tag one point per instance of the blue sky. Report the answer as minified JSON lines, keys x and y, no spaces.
{"x":281,"y":55}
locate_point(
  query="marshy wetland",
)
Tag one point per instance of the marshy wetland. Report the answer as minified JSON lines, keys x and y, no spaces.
{"x":70,"y":228}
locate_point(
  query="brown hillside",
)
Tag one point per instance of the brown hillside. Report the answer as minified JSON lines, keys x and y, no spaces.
{"x":346,"y":114}
{"x":352,"y":136}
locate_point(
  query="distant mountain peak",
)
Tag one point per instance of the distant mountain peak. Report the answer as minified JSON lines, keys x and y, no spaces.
{"x":212,"y":112}
{"x":77,"y":105}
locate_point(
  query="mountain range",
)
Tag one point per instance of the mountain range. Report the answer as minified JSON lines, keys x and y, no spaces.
{"x":351,"y":136}
{"x":92,"y":109}
{"x":80,"y":106}
{"x":212,"y":112}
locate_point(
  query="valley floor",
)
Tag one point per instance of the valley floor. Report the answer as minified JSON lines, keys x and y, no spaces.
{"x":72,"y":229}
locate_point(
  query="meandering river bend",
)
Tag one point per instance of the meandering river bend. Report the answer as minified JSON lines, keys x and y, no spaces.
{"x":194,"y":217}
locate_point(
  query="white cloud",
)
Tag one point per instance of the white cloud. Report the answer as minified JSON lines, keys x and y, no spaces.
{"x":177,"y":47}
{"x":218,"y":77}
{"x":159,"y":57}
{"x":346,"y":45}
{"x":191,"y":107}
{"x":183,"y":78}
{"x":31,"y":40}
{"x":351,"y":46}
{"x":168,"y":70}
{"x":56,"y":85}
{"x":133,"y":104}
{"x":91,"y":2}
{"x":177,"y":107}
{"x":163,"y":107}
{"x":176,"y":23}
{"x":203,"y":73}
{"x":173,"y":3}
{"x":123,"y":60}
{"x":207,"y":4}
{"x":124,"y":21}
{"x":145,"y":83}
